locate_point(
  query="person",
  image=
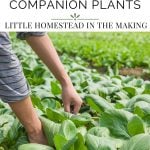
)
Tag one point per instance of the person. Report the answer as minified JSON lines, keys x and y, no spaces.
{"x":14,"y":89}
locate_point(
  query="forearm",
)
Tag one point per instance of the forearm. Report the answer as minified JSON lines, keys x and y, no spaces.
{"x":44,"y":48}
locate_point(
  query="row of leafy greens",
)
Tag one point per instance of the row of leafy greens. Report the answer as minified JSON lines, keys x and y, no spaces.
{"x":115,"y":114}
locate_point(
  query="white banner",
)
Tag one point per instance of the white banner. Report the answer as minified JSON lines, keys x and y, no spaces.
{"x":75,"y":15}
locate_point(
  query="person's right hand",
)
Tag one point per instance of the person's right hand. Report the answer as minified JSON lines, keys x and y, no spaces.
{"x":71,"y":99}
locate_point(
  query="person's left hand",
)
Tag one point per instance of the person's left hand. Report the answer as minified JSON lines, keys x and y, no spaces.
{"x":71,"y":99}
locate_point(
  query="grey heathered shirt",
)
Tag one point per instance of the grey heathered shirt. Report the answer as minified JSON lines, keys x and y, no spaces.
{"x":13,"y":85}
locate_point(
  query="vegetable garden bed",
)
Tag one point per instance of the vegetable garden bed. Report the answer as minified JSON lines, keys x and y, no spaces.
{"x":115,"y":114}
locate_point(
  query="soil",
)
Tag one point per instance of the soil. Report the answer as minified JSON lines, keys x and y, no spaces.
{"x":138,"y":72}
{"x":131,"y":71}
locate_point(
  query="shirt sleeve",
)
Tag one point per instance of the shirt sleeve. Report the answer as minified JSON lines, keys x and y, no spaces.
{"x":24,"y":35}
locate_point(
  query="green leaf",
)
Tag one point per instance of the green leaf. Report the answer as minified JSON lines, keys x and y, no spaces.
{"x":143,"y":97}
{"x":98,"y":103}
{"x":3,"y":105}
{"x":62,"y":143}
{"x":119,"y":105}
{"x":23,"y":139}
{"x":116,"y":121}
{"x":138,"y":142}
{"x":80,"y":143}
{"x":6,"y":123}
{"x":116,"y":80}
{"x":34,"y":146}
{"x":142,"y":104}
{"x":55,"y":115}
{"x":130,"y":90}
{"x":13,"y":133}
{"x":49,"y":102}
{"x":122,"y":95}
{"x":80,"y":120}
{"x":68,"y":129}
{"x":55,"y":88}
{"x":142,"y":108}
{"x":37,"y":102}
{"x":139,"y":111}
{"x":139,"y":83}
{"x":5,"y":111}
{"x":147,"y":88}
{"x":99,"y":143}
{"x":99,"y":131}
{"x":50,"y":129}
{"x":1,"y":148}
{"x":38,"y":71}
{"x":70,"y":144}
{"x":82,"y":130}
{"x":135,"y":126}
{"x":59,"y":141}
{"x":128,"y":79}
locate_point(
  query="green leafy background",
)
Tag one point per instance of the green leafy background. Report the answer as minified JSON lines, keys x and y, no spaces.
{"x":116,"y":111}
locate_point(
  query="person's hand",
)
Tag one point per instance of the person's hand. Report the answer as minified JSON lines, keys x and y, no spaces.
{"x":71,"y":99}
